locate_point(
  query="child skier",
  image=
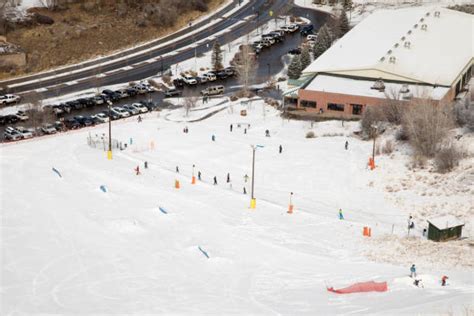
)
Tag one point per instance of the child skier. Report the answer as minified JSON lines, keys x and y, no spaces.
{"x":340,"y":214}
{"x":413,"y":271}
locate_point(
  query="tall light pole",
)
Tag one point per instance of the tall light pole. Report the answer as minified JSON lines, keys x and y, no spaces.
{"x":253,"y":201}
{"x":374,"y":134}
{"x":109,"y":153}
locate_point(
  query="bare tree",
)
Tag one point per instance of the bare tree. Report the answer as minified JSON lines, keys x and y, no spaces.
{"x":246,"y":66}
{"x":190,"y":101}
{"x":36,"y":114}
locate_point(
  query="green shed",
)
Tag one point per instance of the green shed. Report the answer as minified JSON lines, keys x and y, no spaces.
{"x":444,"y":228}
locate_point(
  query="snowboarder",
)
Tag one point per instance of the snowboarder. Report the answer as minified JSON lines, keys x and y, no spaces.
{"x":146,"y":164}
{"x":228,"y":177}
{"x":413,"y":271}
{"x":281,"y":149}
{"x":418,"y":283}
{"x":139,"y":119}
{"x":177,"y":169}
{"x":346,"y":146}
{"x":231,"y":127}
{"x":213,"y":138}
{"x":199,"y":175}
{"x":215,"y":180}
{"x":443,"y":280}
{"x":340,"y":214}
{"x":137,"y":170}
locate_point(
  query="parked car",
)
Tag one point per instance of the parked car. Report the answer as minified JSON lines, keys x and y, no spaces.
{"x":25,"y":132}
{"x":59,"y":126}
{"x":307,"y":29}
{"x":140,"y":89}
{"x":131,"y":109}
{"x":210,"y":76}
{"x":111,"y":114}
{"x":178,"y":83}
{"x":213,"y":90}
{"x":311,"y":37}
{"x":84,"y":120}
{"x":141,"y":108}
{"x":9,"y":99}
{"x":295,"y":51}
{"x":100,"y":118}
{"x":57,"y":109}
{"x":122,"y":93}
{"x":12,"y":134}
{"x":22,"y":116}
{"x":201,"y":79}
{"x":49,"y":129}
{"x":98,"y":100}
{"x":72,"y":124}
{"x":172,"y":93}
{"x":120,"y":111}
{"x":230,"y":71}
{"x":290,"y":28}
{"x":190,"y":80}
{"x":75,"y":105}
{"x":11,"y":119}
{"x":221,"y":74}
{"x":85,"y":102}
{"x":132,"y":92}
{"x":268,"y":41}
{"x":148,"y":86}
{"x":114,"y":96}
{"x":3,"y":120}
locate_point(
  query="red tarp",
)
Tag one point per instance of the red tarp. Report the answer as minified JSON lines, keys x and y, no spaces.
{"x":370,"y":286}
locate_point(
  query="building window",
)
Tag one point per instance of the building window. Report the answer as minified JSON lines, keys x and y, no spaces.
{"x":308,"y":104}
{"x":357,"y":109}
{"x":336,"y":107}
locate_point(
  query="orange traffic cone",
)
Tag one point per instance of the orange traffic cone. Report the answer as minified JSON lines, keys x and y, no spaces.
{"x":176,"y":184}
{"x":193,"y":180}
{"x":290,"y":209}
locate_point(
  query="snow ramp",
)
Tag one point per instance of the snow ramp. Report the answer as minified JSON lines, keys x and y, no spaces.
{"x":370,"y":286}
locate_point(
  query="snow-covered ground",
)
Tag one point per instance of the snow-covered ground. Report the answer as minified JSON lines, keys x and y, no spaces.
{"x":363,"y":8}
{"x":69,"y":248}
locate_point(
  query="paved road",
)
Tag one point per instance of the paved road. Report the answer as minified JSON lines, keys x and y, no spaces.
{"x":137,"y":67}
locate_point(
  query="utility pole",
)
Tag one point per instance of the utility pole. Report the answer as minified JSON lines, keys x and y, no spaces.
{"x":253,"y":201}
{"x":109,"y":153}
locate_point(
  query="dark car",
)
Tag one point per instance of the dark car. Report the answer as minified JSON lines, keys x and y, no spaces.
{"x":307,"y":29}
{"x":72,"y":124}
{"x":221,"y":74}
{"x":149,"y":105}
{"x":59,"y":126}
{"x":11,"y":119}
{"x":112,"y":95}
{"x":277,"y":36}
{"x":84,"y":120}
{"x":75,"y":105}
{"x":172,"y":93}
{"x":3,"y":120}
{"x":178,"y":83}
{"x":230,"y":71}
{"x":295,"y":51}
{"x":132,"y":92}
{"x":111,"y":114}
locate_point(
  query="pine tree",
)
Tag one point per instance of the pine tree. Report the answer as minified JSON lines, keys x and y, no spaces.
{"x":216,"y":56}
{"x":294,"y":69}
{"x":324,"y":40}
{"x":342,"y":24}
{"x":347,"y":4}
{"x":305,"y":57}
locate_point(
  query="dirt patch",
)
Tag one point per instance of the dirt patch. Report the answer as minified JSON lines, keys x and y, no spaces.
{"x":78,"y":35}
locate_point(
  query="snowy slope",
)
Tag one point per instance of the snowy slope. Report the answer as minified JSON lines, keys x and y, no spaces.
{"x":69,"y":248}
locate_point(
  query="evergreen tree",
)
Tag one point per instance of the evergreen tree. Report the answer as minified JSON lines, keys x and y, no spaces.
{"x":342,"y":24}
{"x":305,"y":57}
{"x":216,"y":56}
{"x":323,"y":41}
{"x":347,"y":4}
{"x":294,"y":69}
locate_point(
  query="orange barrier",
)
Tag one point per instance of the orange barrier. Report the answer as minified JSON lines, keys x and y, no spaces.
{"x":176,"y":184}
{"x":367,"y":231}
{"x":290,"y":209}
{"x":370,"y":286}
{"x":371,"y":163}
{"x":193,"y":180}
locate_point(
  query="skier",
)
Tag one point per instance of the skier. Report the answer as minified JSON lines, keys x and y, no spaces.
{"x":146,"y":164}
{"x":246,"y":178}
{"x":340,"y":214}
{"x":245,"y":131}
{"x":424,"y":231}
{"x":228,"y":177}
{"x":137,"y":170}
{"x":413,"y":271}
{"x":267,"y":133}
{"x":443,"y":280}
{"x":346,"y":145}
{"x":281,"y":149}
{"x":245,"y":190}
{"x":215,"y":180}
{"x":177,"y":169}
{"x":411,"y":224}
{"x":418,"y":283}
{"x":213,"y":138}
{"x":139,"y":119}
{"x":199,"y":175}
{"x":231,"y":127}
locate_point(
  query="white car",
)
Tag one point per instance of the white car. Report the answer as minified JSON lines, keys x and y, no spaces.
{"x":140,"y":107}
{"x":141,"y":89}
{"x":22,"y":116}
{"x":49,"y":129}
{"x":210,"y":76}
{"x":120,"y":112}
{"x":131,"y":109}
{"x":101,"y":117}
{"x":12,"y":134}
{"x":9,"y":98}
{"x":25,"y":132}
{"x":311,"y":37}
{"x":148,"y":86}
{"x":190,"y":80}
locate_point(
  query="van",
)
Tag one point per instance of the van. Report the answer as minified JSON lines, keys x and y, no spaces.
{"x":311,"y":37}
{"x":213,"y":90}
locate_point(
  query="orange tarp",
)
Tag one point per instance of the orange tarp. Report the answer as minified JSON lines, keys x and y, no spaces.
{"x":370,"y":286}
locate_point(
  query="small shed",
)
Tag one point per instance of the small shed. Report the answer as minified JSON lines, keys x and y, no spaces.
{"x":444,"y":228}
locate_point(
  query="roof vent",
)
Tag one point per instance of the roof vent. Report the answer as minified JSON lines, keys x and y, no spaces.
{"x":415,"y":26}
{"x":422,"y":19}
{"x":396,"y":45}
{"x":424,"y":27}
{"x":389,"y":52}
{"x":404,"y":89}
{"x":392,"y":59}
{"x":403,"y":38}
{"x":427,"y":14}
{"x":409,"y":32}
{"x":382,"y":59}
{"x":379,"y":85}
{"x":437,"y":14}
{"x":407,"y":44}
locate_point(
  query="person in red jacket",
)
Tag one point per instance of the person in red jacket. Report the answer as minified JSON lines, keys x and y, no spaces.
{"x":443,"y":280}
